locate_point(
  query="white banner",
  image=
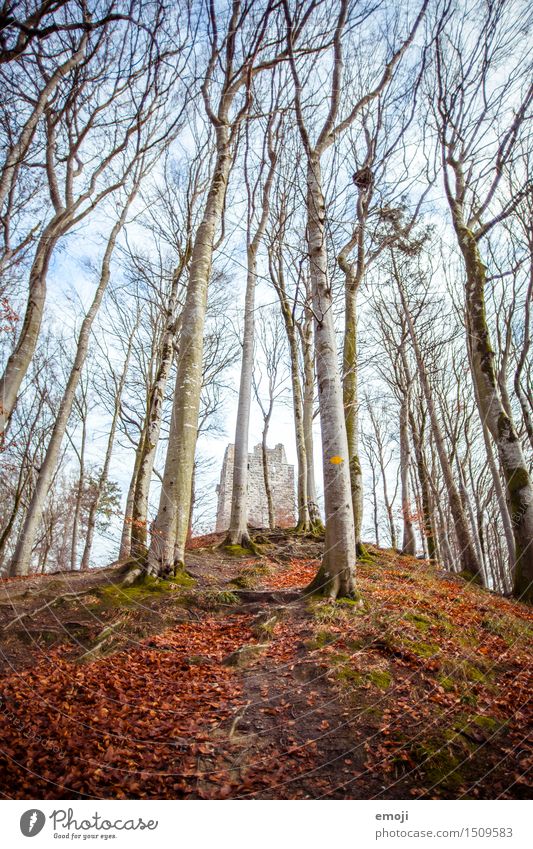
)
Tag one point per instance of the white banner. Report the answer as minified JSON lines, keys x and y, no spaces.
{"x":267,"y":824}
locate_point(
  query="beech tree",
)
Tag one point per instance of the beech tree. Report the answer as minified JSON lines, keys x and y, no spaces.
{"x":476,"y":149}
{"x":238,"y":51}
{"x":337,"y":574}
{"x":258,"y":204}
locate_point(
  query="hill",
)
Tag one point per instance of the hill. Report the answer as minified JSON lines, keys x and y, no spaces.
{"x":227,"y":682}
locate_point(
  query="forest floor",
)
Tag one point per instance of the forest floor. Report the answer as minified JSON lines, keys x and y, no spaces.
{"x":229,"y":683}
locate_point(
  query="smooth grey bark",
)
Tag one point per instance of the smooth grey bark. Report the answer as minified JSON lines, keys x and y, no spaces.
{"x":19,"y":360}
{"x":306,"y":334}
{"x":79,"y":497}
{"x":152,"y":426}
{"x":336,"y":576}
{"x":238,"y":528}
{"x":353,"y":274}
{"x":408,"y":539}
{"x":167,"y":547}
{"x":278,"y":279}
{"x":266,"y":471}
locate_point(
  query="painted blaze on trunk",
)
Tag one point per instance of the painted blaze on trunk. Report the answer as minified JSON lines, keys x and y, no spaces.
{"x":336,"y":576}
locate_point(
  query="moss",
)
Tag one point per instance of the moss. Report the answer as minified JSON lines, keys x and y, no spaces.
{"x":469,"y":577}
{"x":236,"y":550}
{"x":487,"y":723}
{"x":119,"y":595}
{"x":447,"y":683}
{"x":380,"y":678}
{"x":182,"y":579}
{"x":464,"y":671}
{"x":249,"y":576}
{"x":421,"y":622}
{"x":343,"y":610}
{"x":321,"y":639}
{"x":469,"y":699}
{"x":517,"y":480}
{"x":243,"y":582}
{"x":211,"y":599}
{"x":439,"y":764}
{"x":363,"y":554}
{"x":346,"y":673}
{"x":397,"y":642}
{"x":510,"y":630}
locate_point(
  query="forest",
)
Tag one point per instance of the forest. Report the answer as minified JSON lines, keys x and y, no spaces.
{"x":228,"y":223}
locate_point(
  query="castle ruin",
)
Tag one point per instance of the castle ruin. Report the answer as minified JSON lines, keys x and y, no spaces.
{"x":281,"y":483}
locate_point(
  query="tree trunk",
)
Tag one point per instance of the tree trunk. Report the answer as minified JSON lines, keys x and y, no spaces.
{"x":238,"y":527}
{"x":167,"y":547}
{"x":79,"y":497}
{"x":492,"y":411}
{"x":151,"y":431}
{"x":308,"y":412}
{"x":336,"y":576}
{"x":266,"y":470}
{"x":349,"y":388}
{"x":427,"y":513}
{"x":20,"y":359}
{"x":124,"y":551}
{"x":408,"y":541}
{"x":303,"y":524}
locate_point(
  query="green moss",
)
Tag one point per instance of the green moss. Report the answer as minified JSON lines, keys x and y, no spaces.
{"x":380,"y":678}
{"x":421,"y":622}
{"x":344,"y":672}
{"x":211,"y":599}
{"x":321,"y":639}
{"x":447,"y":683}
{"x":397,"y":642}
{"x":119,"y":595}
{"x":464,"y":671}
{"x":488,"y":723}
{"x":470,"y":577}
{"x":439,"y":764}
{"x":343,"y":610}
{"x":509,"y":629}
{"x":236,"y":550}
{"x":363,"y":554}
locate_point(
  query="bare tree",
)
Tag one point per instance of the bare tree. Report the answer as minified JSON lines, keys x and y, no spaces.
{"x":476,"y":149}
{"x":337,"y":574}
{"x":258,"y":201}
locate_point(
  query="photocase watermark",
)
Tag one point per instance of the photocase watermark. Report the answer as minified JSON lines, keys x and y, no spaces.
{"x":28,"y":732}
{"x":32,"y":822}
{"x":66,"y":826}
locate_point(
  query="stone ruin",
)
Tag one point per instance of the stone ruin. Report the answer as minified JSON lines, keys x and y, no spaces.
{"x":281,"y":483}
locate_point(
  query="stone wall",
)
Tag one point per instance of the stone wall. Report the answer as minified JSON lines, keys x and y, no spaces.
{"x":281,"y":483}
